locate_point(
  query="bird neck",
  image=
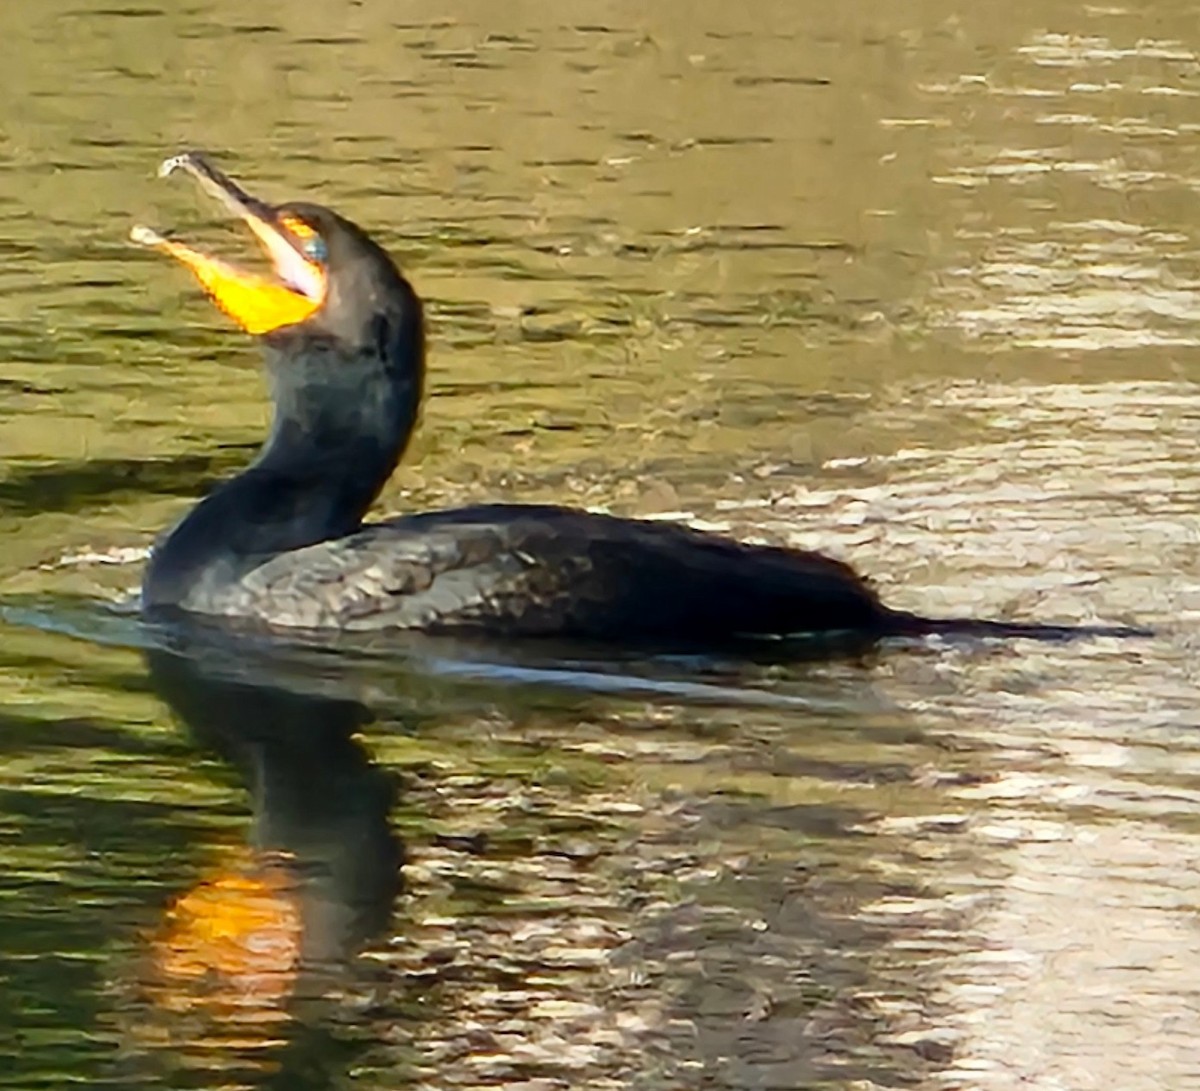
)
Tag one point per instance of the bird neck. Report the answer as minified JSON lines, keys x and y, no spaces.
{"x":332,"y":447}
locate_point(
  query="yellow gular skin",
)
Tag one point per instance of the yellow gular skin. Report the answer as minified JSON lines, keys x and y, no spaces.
{"x":256,"y":304}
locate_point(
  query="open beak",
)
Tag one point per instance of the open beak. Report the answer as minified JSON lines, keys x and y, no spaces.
{"x":255,"y":303}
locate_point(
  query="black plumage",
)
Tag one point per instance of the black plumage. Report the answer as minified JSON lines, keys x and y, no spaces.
{"x":284,"y":542}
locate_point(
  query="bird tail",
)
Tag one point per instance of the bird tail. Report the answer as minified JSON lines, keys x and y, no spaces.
{"x":901,"y":623}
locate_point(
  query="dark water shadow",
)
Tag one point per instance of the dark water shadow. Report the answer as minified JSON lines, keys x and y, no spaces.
{"x":317,"y":797}
{"x":78,"y":485}
{"x":247,"y":964}
{"x":407,"y":672}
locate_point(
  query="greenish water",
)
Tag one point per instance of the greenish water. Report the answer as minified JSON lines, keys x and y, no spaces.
{"x":914,"y":284}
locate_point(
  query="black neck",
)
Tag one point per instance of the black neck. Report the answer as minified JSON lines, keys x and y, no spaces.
{"x":339,"y":430}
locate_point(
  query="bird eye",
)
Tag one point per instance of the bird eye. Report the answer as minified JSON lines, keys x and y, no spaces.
{"x":310,"y":242}
{"x":316,"y":249}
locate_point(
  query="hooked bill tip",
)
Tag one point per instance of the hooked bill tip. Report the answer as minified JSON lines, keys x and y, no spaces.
{"x":171,"y":164}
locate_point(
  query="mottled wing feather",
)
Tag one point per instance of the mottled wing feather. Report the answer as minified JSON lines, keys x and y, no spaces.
{"x":535,"y":571}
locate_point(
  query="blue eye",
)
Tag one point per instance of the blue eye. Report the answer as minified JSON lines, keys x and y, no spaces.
{"x":316,"y":249}
{"x":310,"y":243}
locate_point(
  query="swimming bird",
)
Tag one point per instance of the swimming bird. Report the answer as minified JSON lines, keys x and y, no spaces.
{"x":284,"y":543}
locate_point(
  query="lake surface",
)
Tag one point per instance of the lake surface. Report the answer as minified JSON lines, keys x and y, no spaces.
{"x":915,"y":284}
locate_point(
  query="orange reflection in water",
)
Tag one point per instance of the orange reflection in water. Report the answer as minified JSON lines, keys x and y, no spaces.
{"x":231,"y":946}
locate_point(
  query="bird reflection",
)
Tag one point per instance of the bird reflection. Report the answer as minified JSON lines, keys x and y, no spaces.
{"x":273,"y":924}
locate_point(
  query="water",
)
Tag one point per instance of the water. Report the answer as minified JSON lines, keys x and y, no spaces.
{"x":914,"y":285}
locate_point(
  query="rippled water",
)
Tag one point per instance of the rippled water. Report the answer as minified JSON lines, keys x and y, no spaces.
{"x":917,"y":285}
